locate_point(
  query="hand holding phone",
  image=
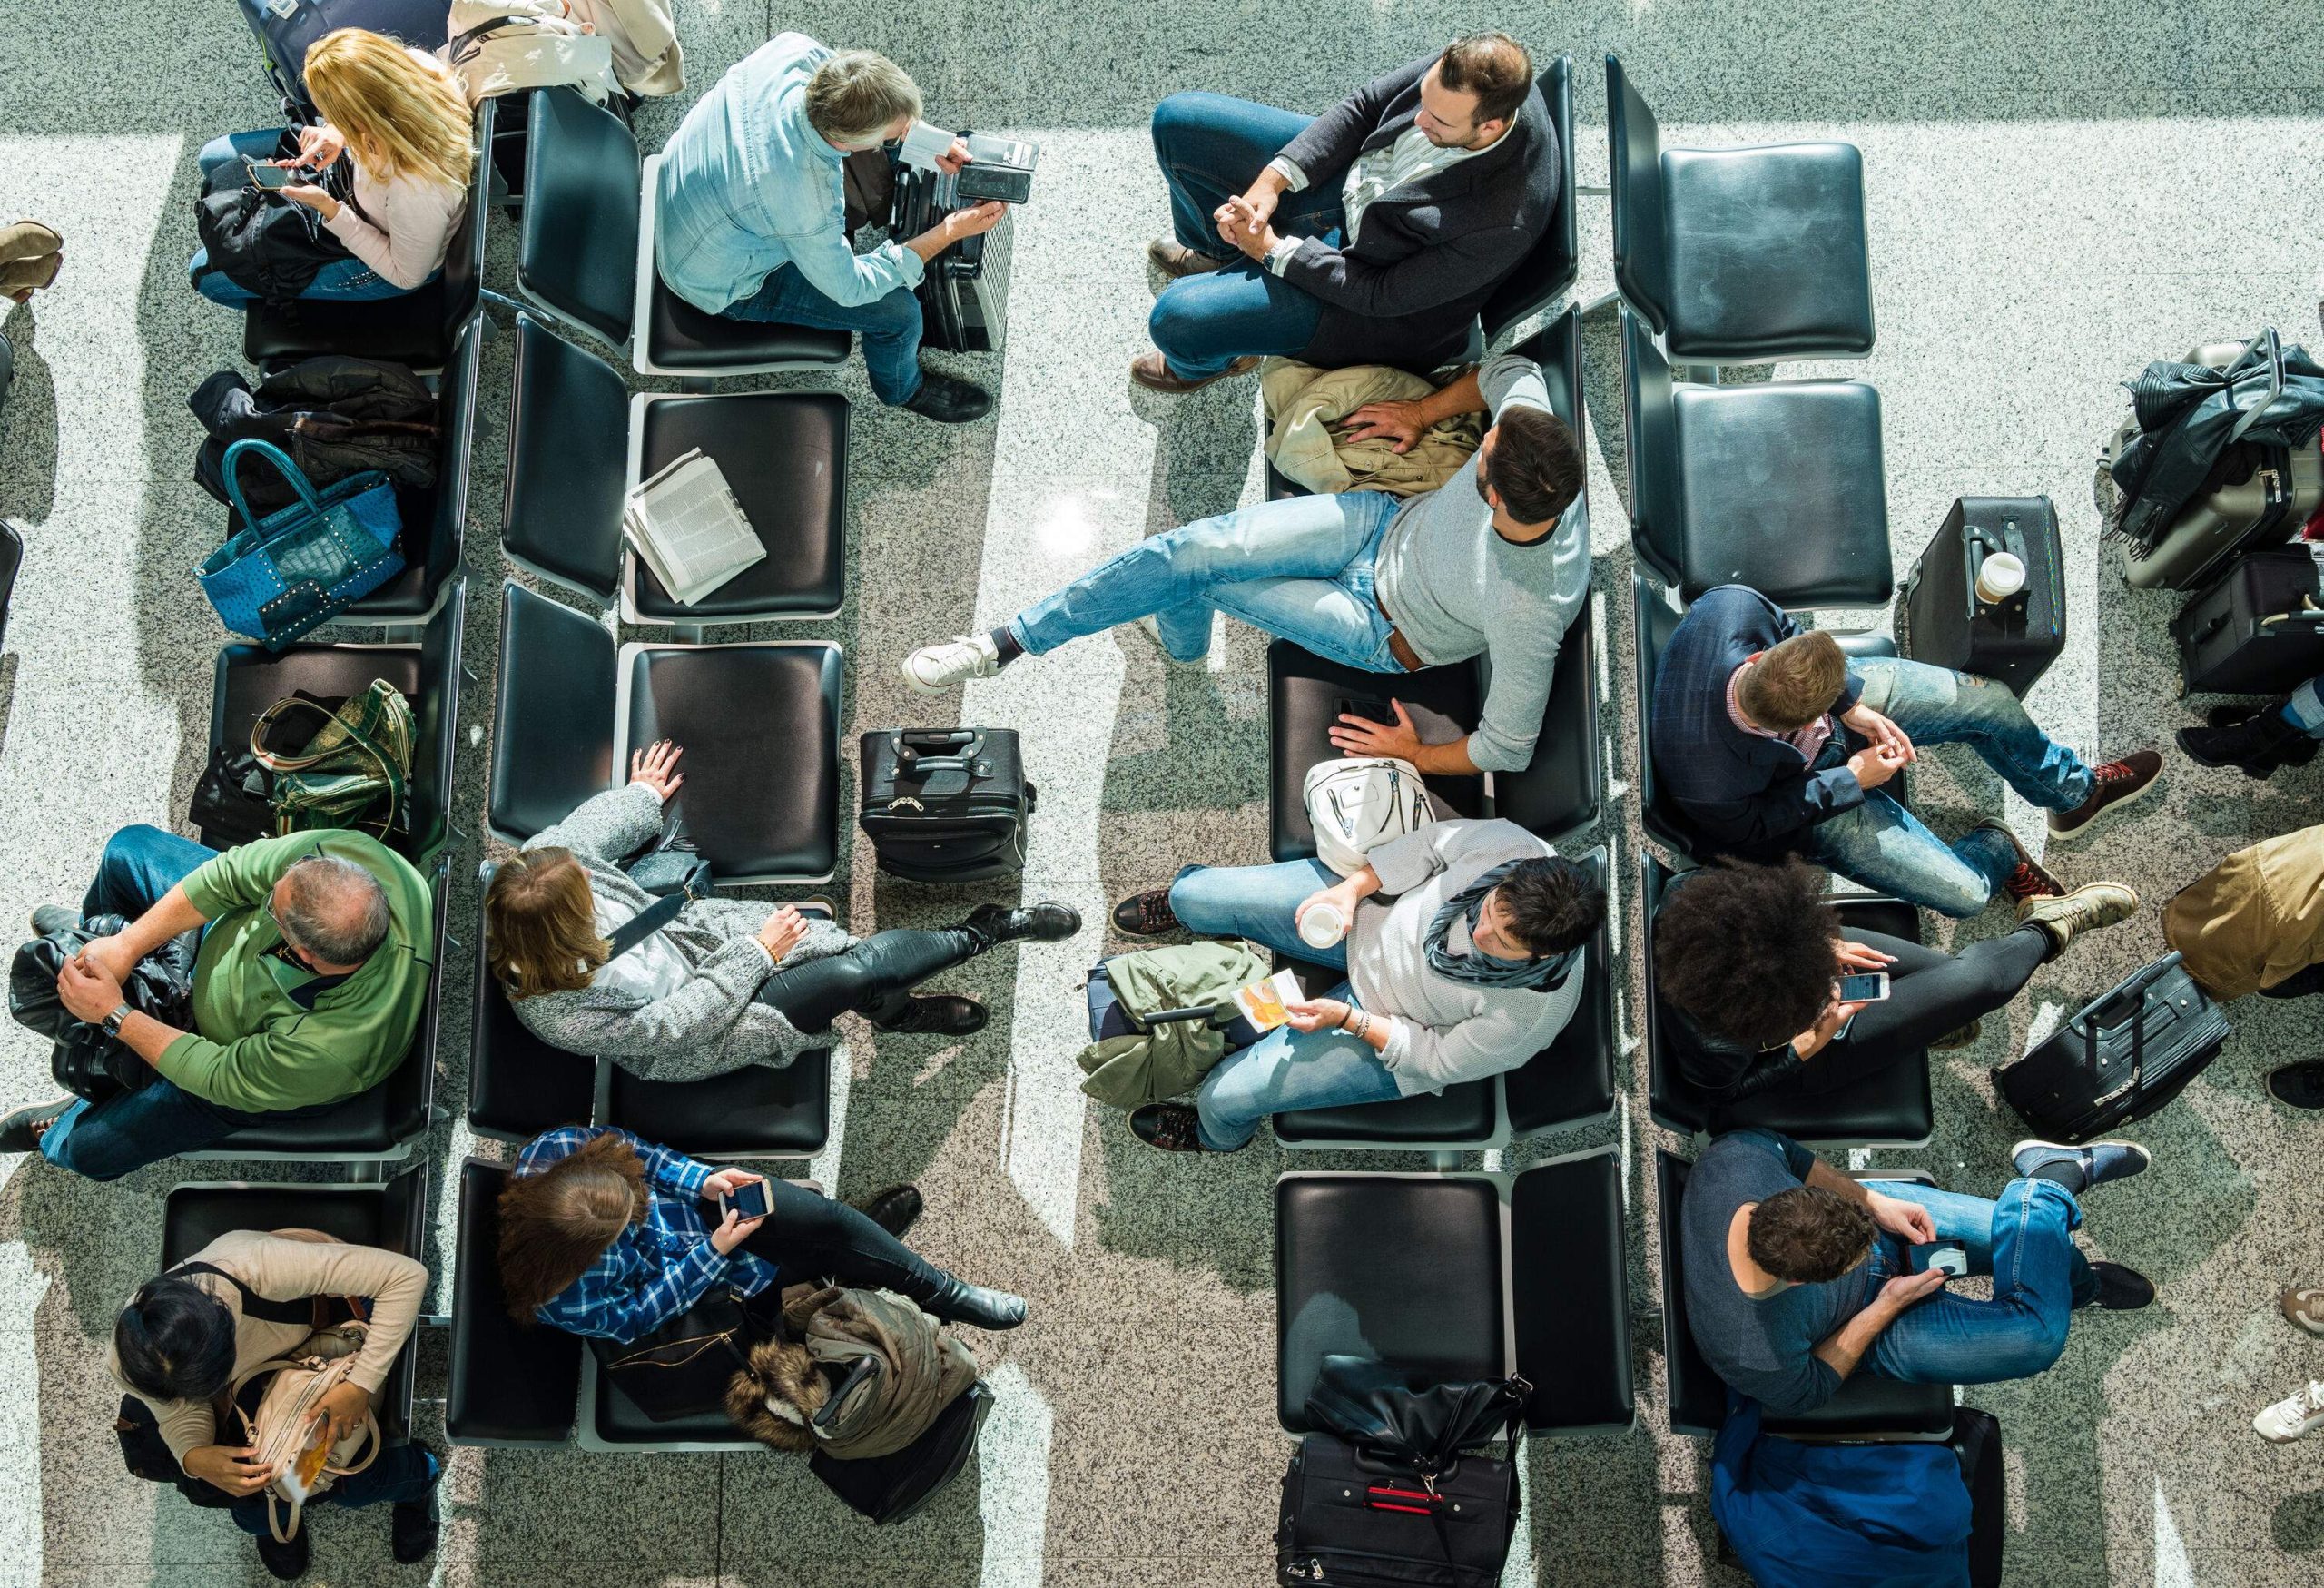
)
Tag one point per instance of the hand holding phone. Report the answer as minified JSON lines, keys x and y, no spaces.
{"x":273,"y":177}
{"x":747,"y":1201}
{"x":1865,"y":987}
{"x":1949,"y":1258}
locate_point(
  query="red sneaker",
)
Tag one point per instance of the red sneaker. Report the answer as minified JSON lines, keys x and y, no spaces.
{"x":2029,"y":881}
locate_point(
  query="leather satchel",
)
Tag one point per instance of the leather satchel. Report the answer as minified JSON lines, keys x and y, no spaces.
{"x":285,"y":1430}
{"x":683,"y":1368}
{"x":299,"y":566}
{"x":355,"y":769}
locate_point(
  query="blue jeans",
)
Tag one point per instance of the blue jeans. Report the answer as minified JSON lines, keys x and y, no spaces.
{"x":2025,"y":1241}
{"x":1301,"y":569}
{"x":1883,"y":845}
{"x":2304,"y":708}
{"x":1284,"y":1070}
{"x":402,"y":1474}
{"x":889,"y":325}
{"x":342,"y":280}
{"x":132,"y":1129}
{"x":1210,"y":147}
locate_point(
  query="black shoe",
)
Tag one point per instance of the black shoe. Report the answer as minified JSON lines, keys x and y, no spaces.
{"x":21,"y":1128}
{"x":2258,"y":742}
{"x":994,"y":924}
{"x":1146,"y":914}
{"x":956,"y":1301}
{"x":895,"y":1209}
{"x":287,"y":1562}
{"x":2302,"y":1085}
{"x":413,"y":1524}
{"x":941,"y":1014}
{"x":2120,"y":1289}
{"x":948,"y":401}
{"x":1172,"y":1127}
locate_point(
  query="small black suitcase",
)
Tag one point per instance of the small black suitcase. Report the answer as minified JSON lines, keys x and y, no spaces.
{"x":1945,"y":625}
{"x":2122,"y":1058}
{"x":964,"y":293}
{"x":2259,"y":627}
{"x":945,"y":804}
{"x":889,"y":1489}
{"x":1358,"y":1520}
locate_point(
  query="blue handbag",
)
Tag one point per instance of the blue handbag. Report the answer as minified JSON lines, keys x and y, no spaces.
{"x":301,"y":565}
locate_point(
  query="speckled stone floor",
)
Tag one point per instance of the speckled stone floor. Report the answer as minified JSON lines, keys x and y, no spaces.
{"x":2057,"y":193}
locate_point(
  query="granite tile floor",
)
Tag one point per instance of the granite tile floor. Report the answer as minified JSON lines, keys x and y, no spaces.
{"x":2057,"y":193}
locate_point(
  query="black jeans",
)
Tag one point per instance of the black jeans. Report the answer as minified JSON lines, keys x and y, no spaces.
{"x":813,"y":1238}
{"x":1931,"y":993}
{"x":873,"y":978}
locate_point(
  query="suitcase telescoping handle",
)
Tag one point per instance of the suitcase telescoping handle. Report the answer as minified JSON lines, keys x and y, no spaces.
{"x":1981,"y":543}
{"x":955,"y":750}
{"x":2129,"y":994}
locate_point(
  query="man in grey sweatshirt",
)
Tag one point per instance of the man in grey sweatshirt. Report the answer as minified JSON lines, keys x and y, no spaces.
{"x":1497,"y":562}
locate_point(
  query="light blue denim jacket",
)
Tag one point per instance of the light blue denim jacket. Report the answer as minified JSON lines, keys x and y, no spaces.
{"x":747,"y":186}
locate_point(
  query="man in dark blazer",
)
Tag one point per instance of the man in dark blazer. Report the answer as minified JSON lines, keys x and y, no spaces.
{"x":1370,"y":235}
{"x":1771,"y":743}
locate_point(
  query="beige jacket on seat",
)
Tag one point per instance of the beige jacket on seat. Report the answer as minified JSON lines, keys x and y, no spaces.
{"x":2255,"y":918}
{"x":1305,"y":407}
{"x":646,"y":57}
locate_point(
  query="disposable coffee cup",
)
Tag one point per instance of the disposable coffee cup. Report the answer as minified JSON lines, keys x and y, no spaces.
{"x":1999,"y":576}
{"x":1323,"y":925}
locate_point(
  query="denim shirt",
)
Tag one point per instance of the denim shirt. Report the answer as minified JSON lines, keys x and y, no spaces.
{"x":747,"y":186}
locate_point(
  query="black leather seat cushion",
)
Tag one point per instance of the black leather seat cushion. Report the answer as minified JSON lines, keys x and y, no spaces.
{"x":1304,"y":696}
{"x":389,"y":1216}
{"x":1869,"y":1406}
{"x":619,"y":1421}
{"x":784,"y":454}
{"x":1572,"y":1079}
{"x":1766,"y":252}
{"x":1401,"y":1269}
{"x":577,"y":252}
{"x":1653,"y":623}
{"x":760,"y":724}
{"x":1560,"y":789}
{"x":1549,"y":268}
{"x":679,"y":336}
{"x":745,"y":1112}
{"x":1781,"y":488}
{"x":1569,"y":1280}
{"x":506,"y":1383}
{"x":553,"y":724}
{"x":1281,"y":490}
{"x":1464,"y":1112}
{"x":519,"y":1086}
{"x":569,"y":424}
{"x":409,"y":329}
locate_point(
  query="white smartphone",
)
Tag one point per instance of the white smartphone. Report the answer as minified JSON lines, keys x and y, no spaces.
{"x":1864,"y":987}
{"x":1948,"y":1258}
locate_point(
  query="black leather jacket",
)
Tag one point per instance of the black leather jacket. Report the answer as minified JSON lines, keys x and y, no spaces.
{"x":2186,"y":413}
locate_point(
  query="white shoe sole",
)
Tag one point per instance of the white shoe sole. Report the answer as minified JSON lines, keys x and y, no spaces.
{"x":2272,"y":1438}
{"x":2146,"y":1159}
{"x":919,"y":686}
{"x":2105,"y":816}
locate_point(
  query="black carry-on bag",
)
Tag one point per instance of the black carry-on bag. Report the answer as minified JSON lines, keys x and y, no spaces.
{"x":964,"y":293}
{"x":1946,"y":624}
{"x":889,"y":1489}
{"x":2259,"y":627}
{"x":2122,"y":1058}
{"x":945,"y":804}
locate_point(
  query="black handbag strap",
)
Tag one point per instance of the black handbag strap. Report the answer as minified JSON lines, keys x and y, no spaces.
{"x":646,"y":924}
{"x":291,"y":1314}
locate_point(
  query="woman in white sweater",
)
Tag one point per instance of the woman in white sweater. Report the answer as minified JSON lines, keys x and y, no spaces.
{"x":402,"y":120}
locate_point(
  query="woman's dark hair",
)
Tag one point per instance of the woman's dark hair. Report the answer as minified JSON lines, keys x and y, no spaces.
{"x":1552,"y":905}
{"x":556,"y":1225}
{"x":1747,"y":951}
{"x":175,"y":1341}
{"x":1808,"y":1235}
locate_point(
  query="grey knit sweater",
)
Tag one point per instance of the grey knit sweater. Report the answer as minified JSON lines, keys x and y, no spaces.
{"x":710,"y":1024}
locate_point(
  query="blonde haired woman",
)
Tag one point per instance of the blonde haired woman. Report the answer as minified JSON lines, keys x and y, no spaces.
{"x":401,"y":119}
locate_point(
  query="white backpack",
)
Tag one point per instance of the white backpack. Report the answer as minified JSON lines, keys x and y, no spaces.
{"x":1356,"y":805}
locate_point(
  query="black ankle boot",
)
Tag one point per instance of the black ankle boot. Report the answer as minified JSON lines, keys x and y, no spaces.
{"x":2258,"y":743}
{"x":947,"y":1014}
{"x":895,"y":1209}
{"x":957,"y":1301}
{"x":948,"y":401}
{"x":286,"y":1562}
{"x":994,"y":924}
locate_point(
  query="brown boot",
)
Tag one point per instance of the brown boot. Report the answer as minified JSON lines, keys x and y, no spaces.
{"x":1152,"y":371}
{"x":1174,"y":259}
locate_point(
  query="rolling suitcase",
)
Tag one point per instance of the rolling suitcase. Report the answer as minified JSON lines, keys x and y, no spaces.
{"x":285,"y":28}
{"x":945,"y":804}
{"x":1948,"y":626}
{"x":2259,"y":627}
{"x":2122,"y":1058}
{"x":964,"y":293}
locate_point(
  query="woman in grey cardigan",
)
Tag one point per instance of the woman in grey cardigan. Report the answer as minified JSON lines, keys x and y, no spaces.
{"x":1463,"y":958}
{"x":724,"y":983}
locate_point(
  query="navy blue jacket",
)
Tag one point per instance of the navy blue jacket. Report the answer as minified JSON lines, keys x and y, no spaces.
{"x":1744,"y":793}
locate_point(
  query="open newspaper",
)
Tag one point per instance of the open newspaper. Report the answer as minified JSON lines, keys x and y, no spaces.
{"x":687,"y":526}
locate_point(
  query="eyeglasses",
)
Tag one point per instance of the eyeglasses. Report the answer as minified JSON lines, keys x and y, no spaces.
{"x":286,"y":950}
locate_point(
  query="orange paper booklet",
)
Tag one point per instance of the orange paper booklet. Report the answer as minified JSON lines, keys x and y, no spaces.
{"x":1262,"y":1001}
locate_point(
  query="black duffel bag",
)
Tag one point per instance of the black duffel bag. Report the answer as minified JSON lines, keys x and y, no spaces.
{"x":945,"y":804}
{"x":2122,"y":1057}
{"x":84,"y":1061}
{"x":892,"y":1488}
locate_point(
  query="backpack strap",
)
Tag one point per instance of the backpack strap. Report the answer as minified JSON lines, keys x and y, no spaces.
{"x":297,"y":1314}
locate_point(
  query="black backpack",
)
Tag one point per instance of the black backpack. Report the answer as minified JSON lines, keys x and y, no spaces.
{"x":262,"y":241}
{"x":336,"y":415}
{"x":889,"y":1489}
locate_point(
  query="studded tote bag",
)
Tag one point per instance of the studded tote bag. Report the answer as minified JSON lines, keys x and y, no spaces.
{"x":301,"y":564}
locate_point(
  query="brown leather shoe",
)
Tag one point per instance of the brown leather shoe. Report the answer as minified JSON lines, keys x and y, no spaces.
{"x":1174,"y":259}
{"x":2304,"y":1304}
{"x":1152,"y":371}
{"x":1172,"y":1127}
{"x":1146,"y":914}
{"x":2113,"y":785}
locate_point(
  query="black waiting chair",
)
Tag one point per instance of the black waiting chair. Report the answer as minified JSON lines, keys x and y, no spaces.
{"x":1305,"y":697}
{"x":572,"y":424}
{"x":1778,"y":486}
{"x":1484,"y":1275}
{"x":1890,"y":1108}
{"x":518,"y":1084}
{"x":759,"y":723}
{"x":508,"y":1383}
{"x":586,"y":255}
{"x":420,"y":327}
{"x":249,"y":678}
{"x":1738,"y":256}
{"x":1548,"y":272}
{"x":390,"y":1214}
{"x":1867,"y":1407}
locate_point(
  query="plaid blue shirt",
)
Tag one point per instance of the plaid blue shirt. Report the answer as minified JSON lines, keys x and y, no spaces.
{"x":656,"y":1269}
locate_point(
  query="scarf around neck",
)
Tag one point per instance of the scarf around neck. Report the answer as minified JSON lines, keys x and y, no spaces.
{"x":1478,"y":968}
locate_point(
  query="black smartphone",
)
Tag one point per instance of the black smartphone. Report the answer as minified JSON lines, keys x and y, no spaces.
{"x":1369,"y":709}
{"x":747,"y":1203}
{"x":976,"y":183}
{"x":276,"y":176}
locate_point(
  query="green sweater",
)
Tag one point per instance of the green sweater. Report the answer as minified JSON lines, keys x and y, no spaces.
{"x":253,"y":1048}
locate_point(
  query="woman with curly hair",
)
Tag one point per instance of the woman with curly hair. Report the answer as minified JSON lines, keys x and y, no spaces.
{"x":1747,"y":960}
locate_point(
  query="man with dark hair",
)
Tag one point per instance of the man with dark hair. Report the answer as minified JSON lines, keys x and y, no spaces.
{"x":313,"y":965}
{"x":1797,"y":1275}
{"x":1463,"y":949}
{"x":1371,"y":234}
{"x":1771,"y":742}
{"x":1497,"y":561}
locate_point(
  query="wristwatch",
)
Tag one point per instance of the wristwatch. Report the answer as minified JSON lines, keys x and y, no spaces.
{"x":113,"y":1021}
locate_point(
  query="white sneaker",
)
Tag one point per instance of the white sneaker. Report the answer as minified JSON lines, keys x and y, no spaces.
{"x":2289,"y":1419}
{"x":932,"y":669}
